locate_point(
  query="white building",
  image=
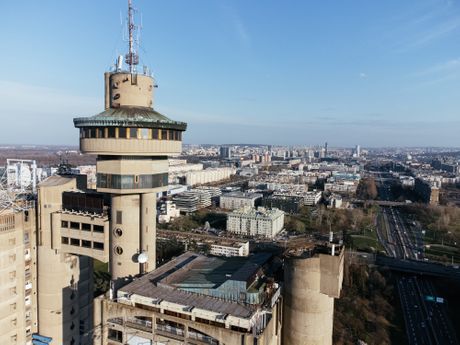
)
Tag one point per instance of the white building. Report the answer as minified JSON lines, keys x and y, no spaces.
{"x":236,"y":200}
{"x":192,"y":200}
{"x":341,"y":186}
{"x":210,"y":175}
{"x":168,"y":212}
{"x":312,"y":198}
{"x":252,"y":222}
{"x":230,"y":249}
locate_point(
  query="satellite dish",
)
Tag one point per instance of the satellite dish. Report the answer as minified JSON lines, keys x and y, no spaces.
{"x":142,"y":258}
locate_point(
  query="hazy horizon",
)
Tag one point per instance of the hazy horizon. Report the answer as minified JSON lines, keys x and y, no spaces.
{"x":380,"y":74}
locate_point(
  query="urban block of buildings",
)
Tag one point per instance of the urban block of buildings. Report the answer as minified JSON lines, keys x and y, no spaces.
{"x":48,"y":248}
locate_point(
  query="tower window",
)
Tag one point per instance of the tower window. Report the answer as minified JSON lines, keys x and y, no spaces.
{"x":145,"y":133}
{"x":75,"y":242}
{"x":99,"y":132}
{"x":118,"y":250}
{"x":154,"y":133}
{"x":111,"y":132}
{"x":133,"y":133}
{"x":122,"y":132}
{"x":98,"y":245}
{"x":98,"y":228}
{"x":119,"y":217}
{"x":164,"y":134}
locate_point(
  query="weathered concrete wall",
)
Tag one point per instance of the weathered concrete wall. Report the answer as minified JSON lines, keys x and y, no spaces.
{"x":310,"y":287}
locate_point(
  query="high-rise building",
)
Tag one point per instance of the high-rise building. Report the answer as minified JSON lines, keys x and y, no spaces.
{"x":18,"y":279}
{"x":115,"y":224}
{"x":132,"y":142}
{"x":358,"y":151}
{"x":225,"y":152}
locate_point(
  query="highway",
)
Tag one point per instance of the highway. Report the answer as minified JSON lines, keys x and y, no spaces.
{"x":426,"y":321}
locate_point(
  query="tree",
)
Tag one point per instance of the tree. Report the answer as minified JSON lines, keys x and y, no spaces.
{"x":367,"y":189}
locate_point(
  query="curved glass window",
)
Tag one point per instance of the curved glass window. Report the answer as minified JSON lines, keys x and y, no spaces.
{"x":113,"y":181}
{"x":130,"y":133}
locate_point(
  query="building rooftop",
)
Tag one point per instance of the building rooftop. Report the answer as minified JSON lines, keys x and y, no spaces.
{"x":210,"y":283}
{"x":243,"y":195}
{"x":56,"y":180}
{"x":260,"y":212}
{"x":130,"y":117}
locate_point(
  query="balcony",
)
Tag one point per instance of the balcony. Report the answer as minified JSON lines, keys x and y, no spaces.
{"x":170,"y":331}
{"x":202,"y":338}
{"x":142,"y":325}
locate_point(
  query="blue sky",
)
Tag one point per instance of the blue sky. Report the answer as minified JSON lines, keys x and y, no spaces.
{"x":377,"y":73}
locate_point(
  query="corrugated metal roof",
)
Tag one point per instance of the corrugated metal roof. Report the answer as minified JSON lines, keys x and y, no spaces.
{"x":205,"y":274}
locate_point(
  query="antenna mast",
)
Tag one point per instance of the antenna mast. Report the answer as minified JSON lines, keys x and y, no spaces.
{"x":132,"y":58}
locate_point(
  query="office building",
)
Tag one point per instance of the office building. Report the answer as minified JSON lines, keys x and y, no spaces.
{"x":230,"y":249}
{"x":192,"y":200}
{"x":225,"y":152}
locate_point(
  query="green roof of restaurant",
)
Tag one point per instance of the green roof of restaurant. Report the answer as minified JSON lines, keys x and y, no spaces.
{"x":130,"y":117}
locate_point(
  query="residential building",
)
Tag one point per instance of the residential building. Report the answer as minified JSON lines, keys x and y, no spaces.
{"x":236,"y":200}
{"x":256,"y":222}
{"x":18,"y":278}
{"x":211,"y":175}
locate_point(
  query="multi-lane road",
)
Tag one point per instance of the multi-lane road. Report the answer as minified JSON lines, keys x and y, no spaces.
{"x":426,"y":319}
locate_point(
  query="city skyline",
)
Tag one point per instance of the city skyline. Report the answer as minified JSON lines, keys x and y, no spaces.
{"x":374,"y":74}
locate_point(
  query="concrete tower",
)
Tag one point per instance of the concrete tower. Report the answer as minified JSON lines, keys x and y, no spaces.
{"x":313,"y":279}
{"x":132,"y":142}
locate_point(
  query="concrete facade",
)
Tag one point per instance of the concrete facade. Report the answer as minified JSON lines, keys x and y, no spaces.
{"x":18,"y":279}
{"x":175,"y":305}
{"x":251,"y":222}
{"x":312,"y":281}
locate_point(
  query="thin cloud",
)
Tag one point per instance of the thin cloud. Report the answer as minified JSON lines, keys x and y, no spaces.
{"x":438,"y":73}
{"x":30,"y":100}
{"x":239,"y":27}
{"x":426,"y":24}
{"x":443,"y":67}
{"x":436,"y":33}
{"x":363,"y":75}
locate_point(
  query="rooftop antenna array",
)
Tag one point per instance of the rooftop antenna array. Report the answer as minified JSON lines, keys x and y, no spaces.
{"x":132,"y":58}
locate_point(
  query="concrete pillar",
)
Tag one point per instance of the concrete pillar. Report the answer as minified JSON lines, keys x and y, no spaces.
{"x":148,"y":230}
{"x":124,"y":238}
{"x":308,"y":313}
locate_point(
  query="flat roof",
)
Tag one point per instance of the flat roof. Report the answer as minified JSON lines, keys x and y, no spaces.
{"x":192,"y":270}
{"x":56,"y":180}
